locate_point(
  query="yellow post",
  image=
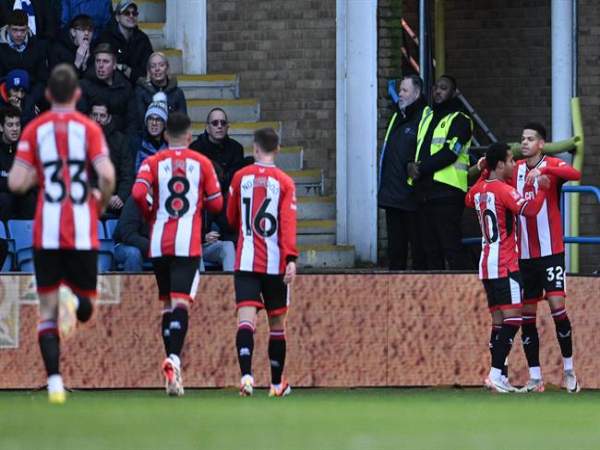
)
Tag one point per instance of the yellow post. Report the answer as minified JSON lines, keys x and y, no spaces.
{"x":578,"y":164}
{"x":440,"y":39}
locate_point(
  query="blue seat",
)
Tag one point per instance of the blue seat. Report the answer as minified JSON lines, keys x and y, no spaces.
{"x":109,"y":226}
{"x":7,"y":266}
{"x":106,"y":252}
{"x":21,"y":232}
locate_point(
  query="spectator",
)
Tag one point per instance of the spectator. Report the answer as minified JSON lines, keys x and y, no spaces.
{"x":120,"y":156}
{"x":152,"y":138}
{"x":21,"y":50}
{"x":108,"y":85}
{"x":73,"y":45}
{"x":99,"y":10}
{"x":132,"y":45}
{"x":226,"y":154}
{"x":12,"y":206}
{"x":218,"y":243}
{"x":14,"y":90}
{"x":131,"y":238}
{"x":395,"y":195}
{"x":41,"y":17}
{"x":439,"y":174}
{"x":158,"y":80}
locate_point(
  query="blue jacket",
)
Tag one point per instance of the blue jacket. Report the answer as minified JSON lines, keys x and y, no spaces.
{"x":99,"y":10}
{"x":144,"y":148}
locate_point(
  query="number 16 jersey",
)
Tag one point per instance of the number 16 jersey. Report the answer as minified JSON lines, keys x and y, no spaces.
{"x":262,"y":206}
{"x":62,"y":145}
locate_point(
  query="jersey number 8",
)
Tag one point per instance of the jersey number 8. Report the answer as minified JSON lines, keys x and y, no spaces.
{"x":177,"y":204}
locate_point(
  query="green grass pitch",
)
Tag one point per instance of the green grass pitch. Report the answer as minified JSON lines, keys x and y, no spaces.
{"x":309,"y":419}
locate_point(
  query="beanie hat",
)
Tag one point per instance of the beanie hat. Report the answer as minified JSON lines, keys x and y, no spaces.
{"x":159,"y":109}
{"x":17,"y":78}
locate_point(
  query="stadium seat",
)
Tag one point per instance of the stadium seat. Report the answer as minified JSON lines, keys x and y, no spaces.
{"x":109,"y":227}
{"x":106,"y":253}
{"x":7,"y":266}
{"x":21,"y":232}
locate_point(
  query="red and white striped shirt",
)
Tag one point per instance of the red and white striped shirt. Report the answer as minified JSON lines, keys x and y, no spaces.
{"x":262,"y":205}
{"x":62,"y":145}
{"x":542,"y":235}
{"x":171,"y":188}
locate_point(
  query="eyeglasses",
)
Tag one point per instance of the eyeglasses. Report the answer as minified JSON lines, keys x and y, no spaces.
{"x":216,"y":123}
{"x":130,"y":13}
{"x":155,"y":119}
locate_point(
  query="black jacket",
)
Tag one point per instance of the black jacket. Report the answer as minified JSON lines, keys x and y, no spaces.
{"x":394,"y":191}
{"x":227,"y":157}
{"x":132,"y":229}
{"x":144,"y":90}
{"x":64,"y":50}
{"x":32,"y":59}
{"x":122,"y":159}
{"x":46,"y":22}
{"x":13,"y":206}
{"x":425,"y":188}
{"x":133,"y":52}
{"x":7,"y":156}
{"x":119,"y":97}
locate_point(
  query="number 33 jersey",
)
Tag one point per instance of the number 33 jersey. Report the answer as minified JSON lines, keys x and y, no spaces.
{"x":171,"y":188}
{"x":62,"y":146}
{"x":262,"y":206}
{"x":497,"y":205}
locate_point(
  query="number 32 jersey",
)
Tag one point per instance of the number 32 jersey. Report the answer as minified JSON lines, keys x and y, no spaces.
{"x":62,"y":146}
{"x":262,"y":206}
{"x":171,"y":188}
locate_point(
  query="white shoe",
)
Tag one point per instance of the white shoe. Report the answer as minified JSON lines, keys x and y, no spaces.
{"x":507,"y":383}
{"x":67,"y":312}
{"x":56,"y":390}
{"x":533,"y":385}
{"x":173,"y":379}
{"x":498,"y":385}
{"x":571,"y":383}
{"x":247,"y":386}
{"x":281,"y":390}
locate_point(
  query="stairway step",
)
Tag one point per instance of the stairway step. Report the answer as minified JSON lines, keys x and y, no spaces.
{"x":315,"y":239}
{"x":316,"y":227}
{"x":316,"y":208}
{"x":308,"y":182}
{"x":238,"y":110}
{"x":334,"y":256}
{"x":209,"y":86}
{"x":150,"y":10}
{"x":288,"y":158}
{"x":243,"y":132}
{"x":156,"y":34}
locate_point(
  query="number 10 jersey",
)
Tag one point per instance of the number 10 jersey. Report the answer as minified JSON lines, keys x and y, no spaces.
{"x":62,"y":146}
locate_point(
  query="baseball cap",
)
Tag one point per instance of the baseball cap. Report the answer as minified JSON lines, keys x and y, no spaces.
{"x":17,"y":78}
{"x":104,"y":47}
{"x":122,"y":6}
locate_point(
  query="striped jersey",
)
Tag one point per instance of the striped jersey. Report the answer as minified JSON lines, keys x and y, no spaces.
{"x":496,"y":204}
{"x":62,"y":146}
{"x":262,"y":206}
{"x":542,"y":235}
{"x":171,"y":188}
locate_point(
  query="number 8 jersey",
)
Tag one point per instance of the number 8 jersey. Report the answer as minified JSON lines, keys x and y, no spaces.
{"x":262,"y":206}
{"x":62,"y":146}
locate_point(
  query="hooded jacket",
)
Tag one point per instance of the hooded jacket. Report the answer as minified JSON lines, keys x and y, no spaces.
{"x":32,"y":59}
{"x":120,"y":156}
{"x":64,"y":50}
{"x":145,"y":90}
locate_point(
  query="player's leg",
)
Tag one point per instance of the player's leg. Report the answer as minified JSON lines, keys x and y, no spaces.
{"x":565,"y":340}
{"x":162,"y":273}
{"x":532,"y":294}
{"x":81,"y":276}
{"x":48,"y":278}
{"x":248,"y":301}
{"x":276,"y":297}
{"x":496,"y":327}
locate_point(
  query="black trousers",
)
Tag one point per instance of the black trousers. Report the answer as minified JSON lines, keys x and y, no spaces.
{"x":402,"y":232}
{"x":439,"y":222}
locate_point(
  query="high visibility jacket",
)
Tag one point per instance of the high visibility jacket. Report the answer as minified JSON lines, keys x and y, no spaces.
{"x":455,"y":174}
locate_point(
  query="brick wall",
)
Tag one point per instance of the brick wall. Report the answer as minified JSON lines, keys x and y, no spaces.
{"x":284,"y":53}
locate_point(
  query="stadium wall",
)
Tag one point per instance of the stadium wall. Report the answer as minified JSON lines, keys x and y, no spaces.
{"x":344,"y":330}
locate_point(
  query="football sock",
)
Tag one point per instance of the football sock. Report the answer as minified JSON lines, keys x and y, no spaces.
{"x":530,"y":340}
{"x":244,"y":342}
{"x":503,"y":344}
{"x":165,"y":332}
{"x":85,"y":309}
{"x":563,"y":331}
{"x":177,"y":330}
{"x":49,"y":345}
{"x":276,"y":354}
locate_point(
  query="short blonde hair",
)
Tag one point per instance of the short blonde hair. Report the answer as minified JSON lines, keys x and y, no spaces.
{"x":164,"y":58}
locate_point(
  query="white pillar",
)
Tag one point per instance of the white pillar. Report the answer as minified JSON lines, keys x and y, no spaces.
{"x":186,"y":30}
{"x":356,"y":122}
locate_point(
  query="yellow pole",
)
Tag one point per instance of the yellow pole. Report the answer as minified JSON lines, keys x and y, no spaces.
{"x":578,"y":164}
{"x":440,"y":39}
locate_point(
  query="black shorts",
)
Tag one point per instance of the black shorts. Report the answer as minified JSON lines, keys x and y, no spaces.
{"x":78,"y":269}
{"x":504,"y":293}
{"x":543,"y":275}
{"x":177,"y":277}
{"x":262,"y":291}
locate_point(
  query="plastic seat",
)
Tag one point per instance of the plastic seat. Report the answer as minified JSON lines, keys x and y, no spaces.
{"x":21,"y":232}
{"x":109,"y":226}
{"x":7,"y":266}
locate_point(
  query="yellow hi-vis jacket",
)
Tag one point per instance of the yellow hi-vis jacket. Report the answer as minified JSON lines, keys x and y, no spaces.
{"x":455,"y":174}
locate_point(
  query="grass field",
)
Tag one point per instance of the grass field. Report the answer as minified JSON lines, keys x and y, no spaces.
{"x":311,"y":419}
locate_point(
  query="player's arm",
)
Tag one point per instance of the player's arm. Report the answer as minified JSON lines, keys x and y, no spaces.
{"x":470,"y":197}
{"x":563,"y":171}
{"x":233,"y":204}
{"x":142,"y":191}
{"x":22,"y":175}
{"x":213,"y":201}
{"x":527,"y":208}
{"x":287,"y":231}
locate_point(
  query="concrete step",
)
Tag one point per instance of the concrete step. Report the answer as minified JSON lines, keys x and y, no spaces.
{"x":155,"y":31}
{"x":308,"y":182}
{"x":289,"y":158}
{"x":243,"y":132}
{"x":315,"y":227}
{"x":315,"y":239}
{"x":150,"y":10}
{"x":209,"y":86}
{"x":316,"y":208}
{"x":238,"y":110}
{"x":321,"y":256}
